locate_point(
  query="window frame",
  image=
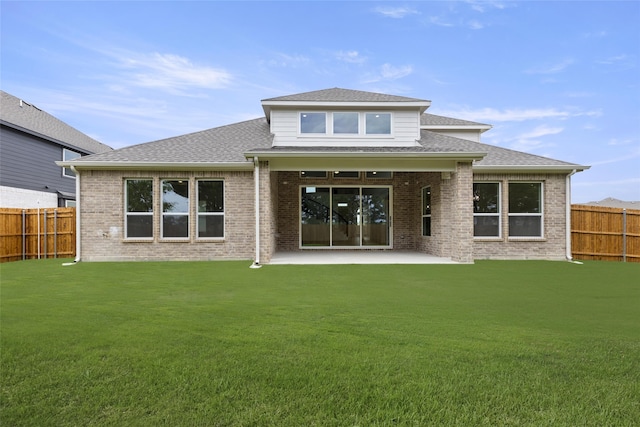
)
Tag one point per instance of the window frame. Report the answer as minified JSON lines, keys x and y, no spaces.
{"x":366,"y":123}
{"x":65,"y":157}
{"x":345,"y":134}
{"x":374,"y":175}
{"x":300,"y":127}
{"x":200,"y":214}
{"x":425,"y":211}
{"x":497,"y":214}
{"x":313,"y":174}
{"x":164,"y":213}
{"x":128,"y":213}
{"x":527,"y":214}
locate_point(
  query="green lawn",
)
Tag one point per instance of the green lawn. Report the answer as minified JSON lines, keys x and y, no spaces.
{"x":218,"y":344}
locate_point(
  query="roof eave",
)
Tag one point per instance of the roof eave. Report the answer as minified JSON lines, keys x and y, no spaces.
{"x":267,"y":106}
{"x":481,"y":128}
{"x":466,"y":156}
{"x":530,"y":168}
{"x":165,"y":166}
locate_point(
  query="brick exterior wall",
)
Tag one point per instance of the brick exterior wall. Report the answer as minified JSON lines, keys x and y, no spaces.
{"x":452,"y":220}
{"x":102,"y":219}
{"x":552,"y":246}
{"x":102,"y":216}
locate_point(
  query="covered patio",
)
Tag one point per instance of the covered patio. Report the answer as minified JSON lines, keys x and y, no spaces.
{"x":356,"y":257}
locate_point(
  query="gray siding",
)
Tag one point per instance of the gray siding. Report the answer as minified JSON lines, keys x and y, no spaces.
{"x":28,"y":162}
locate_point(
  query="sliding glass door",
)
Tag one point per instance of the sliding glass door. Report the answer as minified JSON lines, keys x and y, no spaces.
{"x":345,"y":216}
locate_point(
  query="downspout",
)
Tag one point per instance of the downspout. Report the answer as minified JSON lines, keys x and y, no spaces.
{"x":256,"y":180}
{"x":569,"y":255}
{"x":78,"y":239}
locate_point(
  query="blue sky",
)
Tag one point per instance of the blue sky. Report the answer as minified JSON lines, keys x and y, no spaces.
{"x":557,"y":79}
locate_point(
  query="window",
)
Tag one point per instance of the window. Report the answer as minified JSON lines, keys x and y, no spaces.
{"x":313,"y":123}
{"x":313,"y":174}
{"x":378,"y":123}
{"x":486,"y":209}
{"x":210,"y":209}
{"x":426,"y":211}
{"x":525,"y":209}
{"x":69,"y":155}
{"x":380,"y":175}
{"x":175,"y":209}
{"x":345,"y":123}
{"x":139,"y":208}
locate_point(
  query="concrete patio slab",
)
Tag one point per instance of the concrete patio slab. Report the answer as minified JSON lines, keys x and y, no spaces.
{"x":356,"y":257}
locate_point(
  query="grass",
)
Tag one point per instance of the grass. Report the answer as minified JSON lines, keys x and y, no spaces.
{"x":218,"y":344}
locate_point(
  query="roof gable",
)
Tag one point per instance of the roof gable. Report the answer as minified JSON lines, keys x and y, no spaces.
{"x":343,"y":98}
{"x":27,"y":117}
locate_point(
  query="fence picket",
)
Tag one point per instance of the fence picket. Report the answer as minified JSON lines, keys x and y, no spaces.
{"x":26,"y":235}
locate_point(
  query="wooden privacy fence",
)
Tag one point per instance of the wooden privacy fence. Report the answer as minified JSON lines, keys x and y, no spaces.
{"x":602,"y":233}
{"x":37,"y":233}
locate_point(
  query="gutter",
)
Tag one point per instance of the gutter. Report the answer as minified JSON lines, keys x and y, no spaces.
{"x":568,"y":254}
{"x":165,"y":166}
{"x":256,"y":180}
{"x":78,"y":228}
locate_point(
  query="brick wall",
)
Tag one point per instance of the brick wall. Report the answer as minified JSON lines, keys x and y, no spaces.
{"x":102,"y":219}
{"x":553,"y":244}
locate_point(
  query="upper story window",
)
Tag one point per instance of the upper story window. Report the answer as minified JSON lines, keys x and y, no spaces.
{"x":69,"y":155}
{"x":313,"y":123}
{"x":378,"y":123}
{"x":345,"y":123}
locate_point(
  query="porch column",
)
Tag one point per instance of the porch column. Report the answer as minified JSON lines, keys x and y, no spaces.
{"x":267,"y":213}
{"x":462,"y":221}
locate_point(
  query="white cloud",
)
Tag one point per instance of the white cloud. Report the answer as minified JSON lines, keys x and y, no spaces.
{"x":439,"y":21}
{"x":395,"y":12}
{"x":475,"y":25}
{"x":288,"y":61}
{"x":389,"y":72}
{"x":553,"y":68}
{"x":517,"y":114}
{"x":614,"y":59}
{"x":172,"y":73}
{"x":481,"y":6}
{"x":540,"y":131}
{"x":352,"y":57}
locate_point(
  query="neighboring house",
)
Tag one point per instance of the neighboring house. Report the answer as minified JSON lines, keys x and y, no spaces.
{"x":326,"y":170}
{"x":31,"y":141}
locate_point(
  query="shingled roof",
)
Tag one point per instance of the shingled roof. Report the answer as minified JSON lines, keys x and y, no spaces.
{"x":27,"y":117}
{"x":343,"y":95}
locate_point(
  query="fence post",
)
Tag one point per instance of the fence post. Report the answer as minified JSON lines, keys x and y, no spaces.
{"x":24,"y":234}
{"x":55,"y":233}
{"x":624,"y":235}
{"x":46,"y":237}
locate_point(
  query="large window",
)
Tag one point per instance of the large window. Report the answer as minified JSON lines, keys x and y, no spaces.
{"x":139,"y":208}
{"x":313,"y":123}
{"x":345,"y":123}
{"x":486,"y":209}
{"x":378,"y":123}
{"x":525,"y":209}
{"x":69,"y":155}
{"x":210,"y":209}
{"x":426,"y":211}
{"x":175,"y":208}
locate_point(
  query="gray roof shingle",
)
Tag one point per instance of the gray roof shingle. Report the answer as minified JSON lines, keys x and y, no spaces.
{"x":18,"y":113}
{"x":343,"y":95}
{"x":427,"y":119}
{"x":225,"y":144}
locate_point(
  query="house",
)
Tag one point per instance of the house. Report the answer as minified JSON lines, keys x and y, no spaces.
{"x":326,"y":170}
{"x":31,"y":141}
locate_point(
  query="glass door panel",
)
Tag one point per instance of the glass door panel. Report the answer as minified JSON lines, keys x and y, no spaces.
{"x":345,"y":227}
{"x":375,"y":217}
{"x":315,"y":218}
